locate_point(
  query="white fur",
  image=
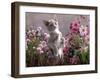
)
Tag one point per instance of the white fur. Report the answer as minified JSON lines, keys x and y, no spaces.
{"x":56,"y":45}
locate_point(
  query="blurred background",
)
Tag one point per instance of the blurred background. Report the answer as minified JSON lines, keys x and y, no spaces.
{"x":34,"y":20}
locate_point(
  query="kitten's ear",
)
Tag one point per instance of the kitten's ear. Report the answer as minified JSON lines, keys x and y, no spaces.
{"x":46,"y":22}
{"x":55,"y":17}
{"x":56,"y":22}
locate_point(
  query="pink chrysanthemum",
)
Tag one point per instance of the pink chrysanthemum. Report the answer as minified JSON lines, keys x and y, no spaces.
{"x":74,"y":26}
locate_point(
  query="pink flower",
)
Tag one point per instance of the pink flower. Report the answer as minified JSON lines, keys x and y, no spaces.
{"x":28,"y":40}
{"x":46,"y":34}
{"x":74,"y":60}
{"x":30,"y":35}
{"x":68,"y":37}
{"x":39,"y":49}
{"x":42,"y":44}
{"x":39,"y":28}
{"x":67,"y":42}
{"x":83,"y":30}
{"x":65,"y":50}
{"x":86,"y":39}
{"x":38,"y":32}
{"x":33,"y":32}
{"x":29,"y":32}
{"x":74,"y":26}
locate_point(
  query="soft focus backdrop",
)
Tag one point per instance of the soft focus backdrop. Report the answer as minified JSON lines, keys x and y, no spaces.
{"x":36,"y":20}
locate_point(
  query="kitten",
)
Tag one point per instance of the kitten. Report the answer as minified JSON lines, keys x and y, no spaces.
{"x":56,"y":41}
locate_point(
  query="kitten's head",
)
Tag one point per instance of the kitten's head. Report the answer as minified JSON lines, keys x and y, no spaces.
{"x":51,"y":24}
